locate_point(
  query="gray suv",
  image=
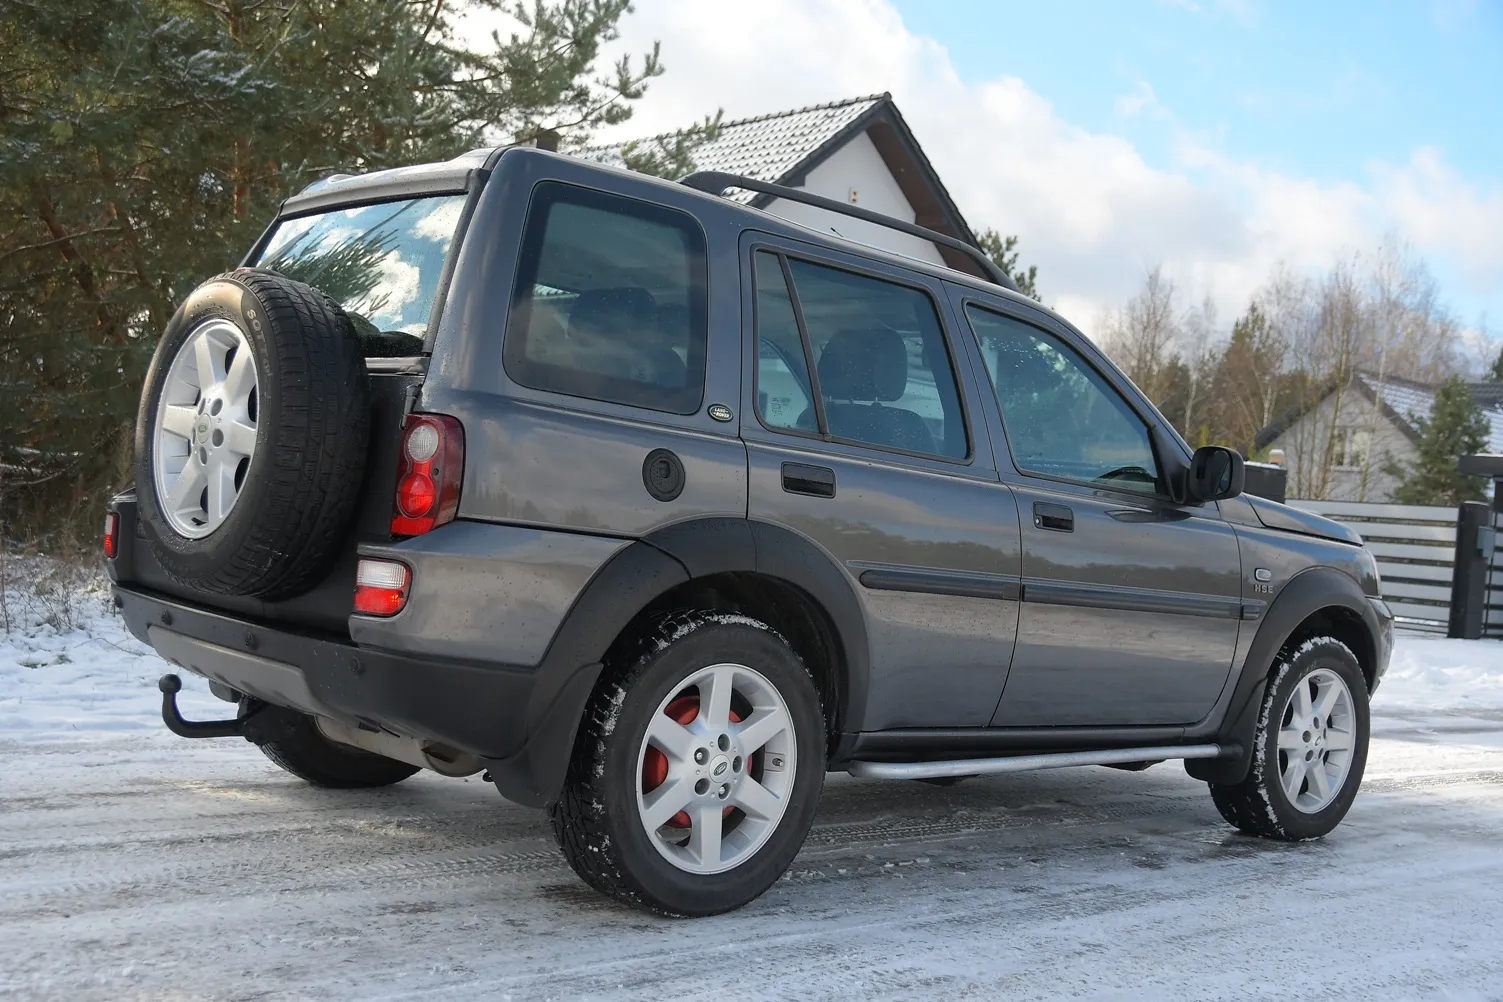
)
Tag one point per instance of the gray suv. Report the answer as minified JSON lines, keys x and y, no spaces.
{"x":654,"y":507}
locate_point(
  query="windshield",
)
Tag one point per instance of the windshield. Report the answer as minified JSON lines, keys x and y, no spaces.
{"x":380,"y":262}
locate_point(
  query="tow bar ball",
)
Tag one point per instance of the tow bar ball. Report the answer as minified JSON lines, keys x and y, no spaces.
{"x":171,"y":685}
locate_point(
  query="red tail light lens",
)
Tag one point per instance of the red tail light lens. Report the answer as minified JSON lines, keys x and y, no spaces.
{"x":111,"y":535}
{"x":381,"y":587}
{"x":432,"y":469}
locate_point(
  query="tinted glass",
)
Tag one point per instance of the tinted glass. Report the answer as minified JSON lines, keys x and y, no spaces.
{"x":884,"y":372}
{"x":1062,"y":418}
{"x":382,"y":262}
{"x":782,"y":370}
{"x":610,"y":301}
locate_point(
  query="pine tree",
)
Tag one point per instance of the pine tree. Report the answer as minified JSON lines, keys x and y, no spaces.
{"x":1456,"y":427}
{"x":1003,"y":250}
{"x":145,"y":143}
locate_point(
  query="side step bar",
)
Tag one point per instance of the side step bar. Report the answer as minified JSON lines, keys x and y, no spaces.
{"x":1027,"y":763}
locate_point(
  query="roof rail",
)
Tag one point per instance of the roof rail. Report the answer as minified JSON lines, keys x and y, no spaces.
{"x":715,"y":182}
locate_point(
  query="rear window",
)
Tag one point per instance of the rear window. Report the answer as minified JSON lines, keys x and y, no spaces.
{"x":610,"y":301}
{"x":381,"y":262}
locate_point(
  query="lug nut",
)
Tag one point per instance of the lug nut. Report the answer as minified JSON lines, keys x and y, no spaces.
{"x":701,"y":756}
{"x":724,"y":791}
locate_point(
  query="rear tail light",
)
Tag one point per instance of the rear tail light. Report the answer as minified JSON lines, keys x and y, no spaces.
{"x":381,"y":587}
{"x":431,"y":470}
{"x":111,"y":535}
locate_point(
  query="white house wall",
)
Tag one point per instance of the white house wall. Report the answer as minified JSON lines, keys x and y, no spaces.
{"x":1304,"y":445}
{"x":857,"y":165}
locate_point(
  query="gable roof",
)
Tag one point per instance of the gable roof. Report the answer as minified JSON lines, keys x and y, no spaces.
{"x":772,"y":147}
{"x":784,"y":147}
{"x":1400,"y":401}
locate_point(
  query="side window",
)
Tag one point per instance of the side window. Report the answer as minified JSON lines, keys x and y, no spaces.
{"x":610,"y":301}
{"x":882,"y":375}
{"x":1062,"y":418}
{"x":783,"y":395}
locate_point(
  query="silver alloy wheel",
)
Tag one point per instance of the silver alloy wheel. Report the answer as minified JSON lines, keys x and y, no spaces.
{"x":1317,"y":737}
{"x":205,"y":431}
{"x":715,"y":762}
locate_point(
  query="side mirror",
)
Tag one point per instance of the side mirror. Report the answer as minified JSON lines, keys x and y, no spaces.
{"x":1215,"y":473}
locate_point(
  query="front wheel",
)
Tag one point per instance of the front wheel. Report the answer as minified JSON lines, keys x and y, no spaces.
{"x":697,"y":770}
{"x":1310,"y":747}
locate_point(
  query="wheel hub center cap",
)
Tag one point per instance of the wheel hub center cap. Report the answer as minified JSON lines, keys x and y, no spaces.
{"x":720,"y":768}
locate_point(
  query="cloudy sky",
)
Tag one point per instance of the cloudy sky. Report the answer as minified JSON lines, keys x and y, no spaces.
{"x":1215,"y":137}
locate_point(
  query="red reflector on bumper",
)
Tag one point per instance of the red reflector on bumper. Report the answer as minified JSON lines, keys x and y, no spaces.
{"x":111,"y":535}
{"x":381,"y":587}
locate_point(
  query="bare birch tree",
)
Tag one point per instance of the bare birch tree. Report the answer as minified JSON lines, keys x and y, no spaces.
{"x":1140,"y":337}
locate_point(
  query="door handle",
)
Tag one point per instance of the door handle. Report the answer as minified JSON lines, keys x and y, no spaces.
{"x":1056,"y":517}
{"x":815,"y":481}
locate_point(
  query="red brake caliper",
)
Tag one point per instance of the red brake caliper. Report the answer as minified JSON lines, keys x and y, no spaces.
{"x":655,"y":764}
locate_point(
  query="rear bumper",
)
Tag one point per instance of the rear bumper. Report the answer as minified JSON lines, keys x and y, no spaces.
{"x":483,"y":709}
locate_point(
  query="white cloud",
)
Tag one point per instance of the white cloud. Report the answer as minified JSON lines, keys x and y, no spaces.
{"x":400,"y":284}
{"x":439,"y":222}
{"x":1088,"y":209}
{"x":1140,"y":99}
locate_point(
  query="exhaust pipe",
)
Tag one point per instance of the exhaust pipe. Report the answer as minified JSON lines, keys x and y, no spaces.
{"x":441,"y":759}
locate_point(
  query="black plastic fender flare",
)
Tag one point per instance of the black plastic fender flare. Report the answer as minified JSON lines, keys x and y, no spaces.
{"x":630,"y":581}
{"x":1307,"y":593}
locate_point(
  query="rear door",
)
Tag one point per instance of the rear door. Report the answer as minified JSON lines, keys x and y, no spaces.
{"x":603,"y":336}
{"x":855,"y":408}
{"x":1131,"y":603}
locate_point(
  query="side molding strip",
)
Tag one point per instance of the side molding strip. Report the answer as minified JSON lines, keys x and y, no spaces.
{"x":1131,"y":599}
{"x":995,"y":586}
{"x":1026,"y":763}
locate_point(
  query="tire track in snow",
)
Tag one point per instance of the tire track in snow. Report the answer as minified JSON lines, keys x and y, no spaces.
{"x":205,"y":873}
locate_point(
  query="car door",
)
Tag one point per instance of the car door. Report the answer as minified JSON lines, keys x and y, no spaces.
{"x":1131,"y":602}
{"x":854,"y":412}
{"x":618,"y":332}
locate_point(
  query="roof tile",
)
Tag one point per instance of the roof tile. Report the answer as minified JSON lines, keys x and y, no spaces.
{"x":1412,"y":400}
{"x":767,"y":147}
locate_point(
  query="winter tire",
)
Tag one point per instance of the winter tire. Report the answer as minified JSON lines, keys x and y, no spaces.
{"x":251,"y":437}
{"x":1310,"y":747}
{"x":697,"y":770}
{"x":293,"y":741}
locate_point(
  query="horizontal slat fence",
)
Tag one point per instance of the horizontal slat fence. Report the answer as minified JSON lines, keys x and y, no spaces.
{"x":1492,"y":617}
{"x":1416,"y":549}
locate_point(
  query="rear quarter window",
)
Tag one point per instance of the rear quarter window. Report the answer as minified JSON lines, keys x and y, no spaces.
{"x":610,"y":301}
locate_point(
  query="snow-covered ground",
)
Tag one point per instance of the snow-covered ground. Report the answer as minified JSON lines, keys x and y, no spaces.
{"x":137,"y":865}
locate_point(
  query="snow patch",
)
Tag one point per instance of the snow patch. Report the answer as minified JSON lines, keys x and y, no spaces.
{"x":1437,"y":673}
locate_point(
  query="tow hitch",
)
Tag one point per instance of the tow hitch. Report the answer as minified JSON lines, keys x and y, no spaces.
{"x":171,"y":685}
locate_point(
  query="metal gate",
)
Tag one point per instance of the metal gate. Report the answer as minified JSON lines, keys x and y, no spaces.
{"x":1416,"y":550}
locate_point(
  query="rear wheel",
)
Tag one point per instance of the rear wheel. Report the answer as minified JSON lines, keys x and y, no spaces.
{"x":697,"y":770}
{"x":293,"y":741}
{"x":1310,"y":747}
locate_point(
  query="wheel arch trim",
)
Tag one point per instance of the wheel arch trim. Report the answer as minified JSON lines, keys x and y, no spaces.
{"x":629,"y":582}
{"x":1308,"y":593}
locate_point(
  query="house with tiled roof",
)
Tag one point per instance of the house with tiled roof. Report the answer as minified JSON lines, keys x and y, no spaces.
{"x":1336,"y":447}
{"x":859,"y":151}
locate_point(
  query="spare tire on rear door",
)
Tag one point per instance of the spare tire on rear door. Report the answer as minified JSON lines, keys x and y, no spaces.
{"x":251,"y":437}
